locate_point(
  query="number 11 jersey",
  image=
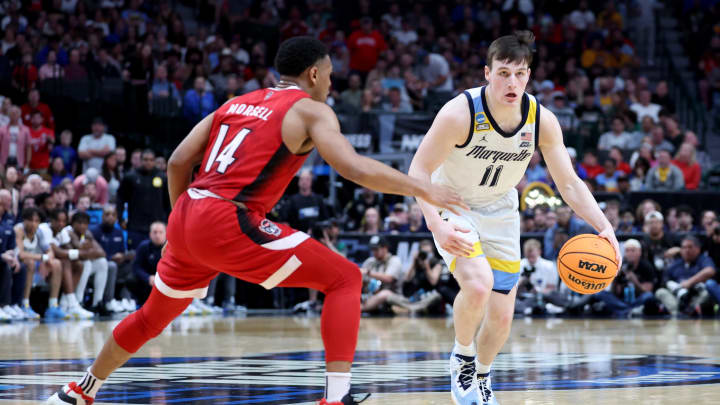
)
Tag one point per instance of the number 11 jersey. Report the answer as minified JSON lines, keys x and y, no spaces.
{"x":245,"y":159}
{"x":491,"y":162}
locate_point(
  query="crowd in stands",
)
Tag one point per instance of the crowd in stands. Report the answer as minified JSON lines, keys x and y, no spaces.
{"x":83,"y":217}
{"x":699,"y":22}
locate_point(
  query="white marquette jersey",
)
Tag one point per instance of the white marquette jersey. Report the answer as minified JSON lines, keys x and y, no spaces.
{"x":491,"y":162}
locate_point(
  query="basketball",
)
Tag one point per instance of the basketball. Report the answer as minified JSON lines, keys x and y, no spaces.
{"x":586,"y":263}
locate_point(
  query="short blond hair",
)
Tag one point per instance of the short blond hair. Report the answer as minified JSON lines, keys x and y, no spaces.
{"x":532,"y":243}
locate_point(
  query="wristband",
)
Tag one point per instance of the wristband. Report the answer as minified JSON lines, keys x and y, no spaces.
{"x":73,"y":254}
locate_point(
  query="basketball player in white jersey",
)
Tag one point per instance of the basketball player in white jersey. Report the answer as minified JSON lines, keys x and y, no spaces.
{"x":480,"y":144}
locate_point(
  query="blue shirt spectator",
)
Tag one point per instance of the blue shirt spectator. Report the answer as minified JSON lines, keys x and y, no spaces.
{"x":685,"y":268}
{"x":111,"y":239}
{"x":609,"y":178}
{"x":147,"y":257}
{"x":64,"y":151}
{"x":566,"y":223}
{"x":198,"y":103}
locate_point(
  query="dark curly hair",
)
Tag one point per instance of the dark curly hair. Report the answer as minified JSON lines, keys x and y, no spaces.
{"x":297,"y":54}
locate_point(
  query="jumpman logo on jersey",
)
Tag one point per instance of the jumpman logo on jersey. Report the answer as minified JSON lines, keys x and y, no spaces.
{"x":483,"y":139}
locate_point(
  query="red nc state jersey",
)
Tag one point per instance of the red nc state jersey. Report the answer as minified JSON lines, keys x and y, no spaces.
{"x":246,"y":159}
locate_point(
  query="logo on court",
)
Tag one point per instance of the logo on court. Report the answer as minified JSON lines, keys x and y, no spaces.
{"x":298,"y":377}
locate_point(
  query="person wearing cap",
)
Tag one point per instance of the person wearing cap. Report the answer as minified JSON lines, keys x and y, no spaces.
{"x":398,"y":220}
{"x":94,"y":146}
{"x":660,"y":245}
{"x":634,"y":284}
{"x":564,"y":113}
{"x":92,"y":176}
{"x":664,"y":176}
{"x":385,"y":268}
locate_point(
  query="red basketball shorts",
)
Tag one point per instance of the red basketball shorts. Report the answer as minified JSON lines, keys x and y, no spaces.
{"x":207,"y":235}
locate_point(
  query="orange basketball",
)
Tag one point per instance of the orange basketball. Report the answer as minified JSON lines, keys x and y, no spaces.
{"x":586,"y":263}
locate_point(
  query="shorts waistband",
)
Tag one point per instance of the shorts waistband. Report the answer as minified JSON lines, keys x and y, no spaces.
{"x":198,"y":193}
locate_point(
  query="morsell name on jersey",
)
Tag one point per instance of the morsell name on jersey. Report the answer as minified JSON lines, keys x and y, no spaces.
{"x":482,"y":152}
{"x":250,"y":111}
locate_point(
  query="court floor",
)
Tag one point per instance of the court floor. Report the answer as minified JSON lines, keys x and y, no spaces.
{"x":278,"y":360}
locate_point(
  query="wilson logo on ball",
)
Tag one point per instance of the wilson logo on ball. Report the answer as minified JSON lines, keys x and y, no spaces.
{"x":598,"y":268}
{"x":587,"y":284}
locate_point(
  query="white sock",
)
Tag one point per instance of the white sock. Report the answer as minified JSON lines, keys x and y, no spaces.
{"x":337,"y":385}
{"x":90,"y":384}
{"x":53,"y":302}
{"x":482,"y":368}
{"x":71,"y":299}
{"x":26,"y":302}
{"x":463,"y":350}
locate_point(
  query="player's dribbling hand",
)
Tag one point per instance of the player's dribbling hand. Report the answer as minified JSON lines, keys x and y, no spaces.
{"x":449,"y":238}
{"x":443,"y":197}
{"x":609,"y":235}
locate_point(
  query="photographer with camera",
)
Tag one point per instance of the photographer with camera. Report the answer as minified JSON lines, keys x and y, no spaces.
{"x":685,"y":279}
{"x":538,"y":286}
{"x":634,"y":284}
{"x":421,"y":281}
{"x":382,"y":274}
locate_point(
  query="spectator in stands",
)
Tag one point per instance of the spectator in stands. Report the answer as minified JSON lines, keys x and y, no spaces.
{"x":615,"y":138}
{"x":685,"y":278}
{"x":588,"y":112}
{"x":25,"y":74}
{"x":66,"y":152}
{"x":162,"y":89}
{"x":160,"y":163}
{"x":566,"y":223}
{"x":146,"y":259}
{"x":416,"y":220}
{"x":365,"y":46}
{"x":564,"y":113}
{"x":662,"y":97}
{"x":398,"y":220}
{"x":658,"y":141}
{"x":395,"y":102}
{"x":686,"y":221}
{"x":5,"y":105}
{"x":15,"y":142}
{"x":371,"y":223}
{"x":617,"y":155}
{"x":685,"y":161}
{"x":634,"y":284}
{"x":92,"y":176}
{"x":644,"y":107}
{"x":305,"y":208}
{"x":582,"y":18}
{"x":627,"y":220}
{"x":94,"y":146}
{"x":198,"y":102}
{"x":643,"y":135}
{"x":539,"y":281}
{"x":75,"y":70}
{"x":120,"y":274}
{"x":658,"y":242}
{"x":106,"y":67}
{"x":535,"y":171}
{"x":112,"y":174}
{"x":353,"y":95}
{"x":58,"y":172}
{"x":355,"y":209}
{"x":709,"y":221}
{"x":419,"y":286}
{"x":664,"y":176}
{"x":41,"y":138}
{"x":51,"y":69}
{"x":91,"y":258}
{"x":434,"y":70}
{"x":673,"y":133}
{"x":10,"y":184}
{"x":382,"y":275}
{"x":645,"y":153}
{"x":590,"y":164}
{"x":33,"y":250}
{"x":35,"y":105}
{"x":145,"y":192}
{"x":6,"y":215}
{"x":609,"y":178}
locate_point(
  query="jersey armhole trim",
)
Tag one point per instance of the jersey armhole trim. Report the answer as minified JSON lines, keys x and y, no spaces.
{"x":471,"y":104}
{"x":537,"y":125}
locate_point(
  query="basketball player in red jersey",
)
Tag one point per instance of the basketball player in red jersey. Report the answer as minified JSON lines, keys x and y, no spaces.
{"x":249,"y":150}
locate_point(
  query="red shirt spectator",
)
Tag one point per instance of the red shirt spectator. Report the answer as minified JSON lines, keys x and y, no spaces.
{"x":35,"y":105}
{"x":617,"y":156}
{"x":25,"y":75}
{"x":295,"y":27}
{"x":365,"y":46}
{"x":41,"y":140}
{"x":591,"y":166}
{"x":685,"y":161}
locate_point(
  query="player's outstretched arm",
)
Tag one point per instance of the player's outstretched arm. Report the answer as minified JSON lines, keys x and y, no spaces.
{"x":322,"y":126}
{"x":186,"y":156}
{"x":573,"y":191}
{"x":449,"y":128}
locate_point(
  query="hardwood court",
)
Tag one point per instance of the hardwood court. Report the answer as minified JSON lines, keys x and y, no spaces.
{"x":278,"y":360}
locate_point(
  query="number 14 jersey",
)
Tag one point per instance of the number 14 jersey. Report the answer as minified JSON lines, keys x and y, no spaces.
{"x":245,"y":159}
{"x":491,"y":162}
